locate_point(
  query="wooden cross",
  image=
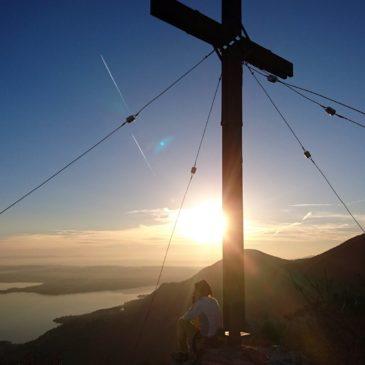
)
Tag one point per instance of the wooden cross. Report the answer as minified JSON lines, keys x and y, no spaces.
{"x":233,"y":49}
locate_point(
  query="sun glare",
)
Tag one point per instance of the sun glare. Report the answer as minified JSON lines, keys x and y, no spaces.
{"x":204,"y":224}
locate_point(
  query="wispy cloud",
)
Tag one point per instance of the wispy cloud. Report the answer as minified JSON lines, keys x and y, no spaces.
{"x":306,"y":234}
{"x":157,"y":215}
{"x":357,"y":201}
{"x":312,"y":226}
{"x":331,"y":216}
{"x":311,"y":205}
{"x":140,"y":245}
{"x":303,"y":205}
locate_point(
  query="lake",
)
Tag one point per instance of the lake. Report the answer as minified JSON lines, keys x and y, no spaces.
{"x":4,"y":286}
{"x":25,"y":316}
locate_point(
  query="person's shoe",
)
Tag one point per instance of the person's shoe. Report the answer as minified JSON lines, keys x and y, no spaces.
{"x":180,"y":356}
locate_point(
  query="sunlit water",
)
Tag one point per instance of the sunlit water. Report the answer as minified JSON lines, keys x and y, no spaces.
{"x":25,"y":316}
{"x":4,"y":286}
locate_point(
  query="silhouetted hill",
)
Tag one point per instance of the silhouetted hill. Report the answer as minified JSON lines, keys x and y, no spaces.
{"x":343,"y":262}
{"x":305,"y":305}
{"x":65,"y":279}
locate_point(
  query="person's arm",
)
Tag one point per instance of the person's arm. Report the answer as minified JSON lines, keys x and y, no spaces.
{"x":193,"y":312}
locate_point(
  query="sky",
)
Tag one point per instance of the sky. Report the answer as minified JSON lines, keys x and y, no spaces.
{"x":57,"y":99}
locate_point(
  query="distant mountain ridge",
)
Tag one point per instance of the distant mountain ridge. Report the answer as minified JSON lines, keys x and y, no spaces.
{"x":57,"y":280}
{"x":313,"y":305}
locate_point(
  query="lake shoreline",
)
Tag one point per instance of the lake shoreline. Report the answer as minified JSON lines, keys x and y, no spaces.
{"x":56,"y":280}
{"x":48,"y":289}
{"x":27,"y":316}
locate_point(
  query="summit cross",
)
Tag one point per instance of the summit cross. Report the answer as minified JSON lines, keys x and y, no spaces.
{"x":233,"y":50}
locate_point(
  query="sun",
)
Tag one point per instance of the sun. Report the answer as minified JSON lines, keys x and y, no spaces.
{"x":203,"y":224}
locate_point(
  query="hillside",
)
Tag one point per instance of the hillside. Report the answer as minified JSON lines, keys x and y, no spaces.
{"x":64,"y":279}
{"x":340,"y":263}
{"x":304,"y":305}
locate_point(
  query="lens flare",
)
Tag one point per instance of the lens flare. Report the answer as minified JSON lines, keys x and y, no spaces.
{"x":163,"y":144}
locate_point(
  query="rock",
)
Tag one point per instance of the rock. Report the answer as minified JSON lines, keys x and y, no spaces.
{"x":247,"y":355}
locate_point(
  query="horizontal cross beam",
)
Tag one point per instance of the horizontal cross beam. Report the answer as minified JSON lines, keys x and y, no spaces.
{"x":208,"y":30}
{"x":190,"y":21}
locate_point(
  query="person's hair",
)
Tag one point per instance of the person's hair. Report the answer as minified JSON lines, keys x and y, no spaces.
{"x":203,"y":288}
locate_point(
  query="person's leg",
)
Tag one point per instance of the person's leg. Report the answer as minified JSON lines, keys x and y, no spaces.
{"x":185,"y":335}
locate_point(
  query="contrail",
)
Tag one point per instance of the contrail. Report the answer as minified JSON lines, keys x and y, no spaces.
{"x":126,"y":105}
{"x":307,"y":216}
{"x":114,"y":82}
{"x":142,"y":153}
{"x":279,"y":230}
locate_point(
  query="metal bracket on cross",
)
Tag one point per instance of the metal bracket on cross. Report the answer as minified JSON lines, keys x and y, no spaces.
{"x":220,"y":37}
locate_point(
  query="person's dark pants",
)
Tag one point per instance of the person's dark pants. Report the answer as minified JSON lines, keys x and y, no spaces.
{"x":185,"y":334}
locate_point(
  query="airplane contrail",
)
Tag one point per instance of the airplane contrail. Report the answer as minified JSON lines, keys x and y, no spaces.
{"x":279,"y":230}
{"x":142,"y":153}
{"x":306,"y":216}
{"x":126,"y":105}
{"x":114,"y":82}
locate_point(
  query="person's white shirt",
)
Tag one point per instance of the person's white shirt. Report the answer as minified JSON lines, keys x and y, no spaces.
{"x":207,"y":310}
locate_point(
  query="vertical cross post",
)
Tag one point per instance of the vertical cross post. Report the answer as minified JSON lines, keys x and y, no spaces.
{"x":232,"y":192}
{"x":233,"y":49}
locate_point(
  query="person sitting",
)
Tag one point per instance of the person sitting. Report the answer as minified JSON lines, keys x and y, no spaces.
{"x":204,"y":317}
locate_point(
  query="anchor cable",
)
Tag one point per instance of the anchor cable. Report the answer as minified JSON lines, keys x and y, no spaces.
{"x":128,"y":120}
{"x":192,"y":174}
{"x":329,"y":110}
{"x":323,"y":96}
{"x":306,"y":152}
{"x":63,"y":168}
{"x":174,"y":83}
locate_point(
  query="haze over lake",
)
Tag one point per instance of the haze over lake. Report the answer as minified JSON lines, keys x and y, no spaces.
{"x":4,"y":286}
{"x":25,"y":316}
